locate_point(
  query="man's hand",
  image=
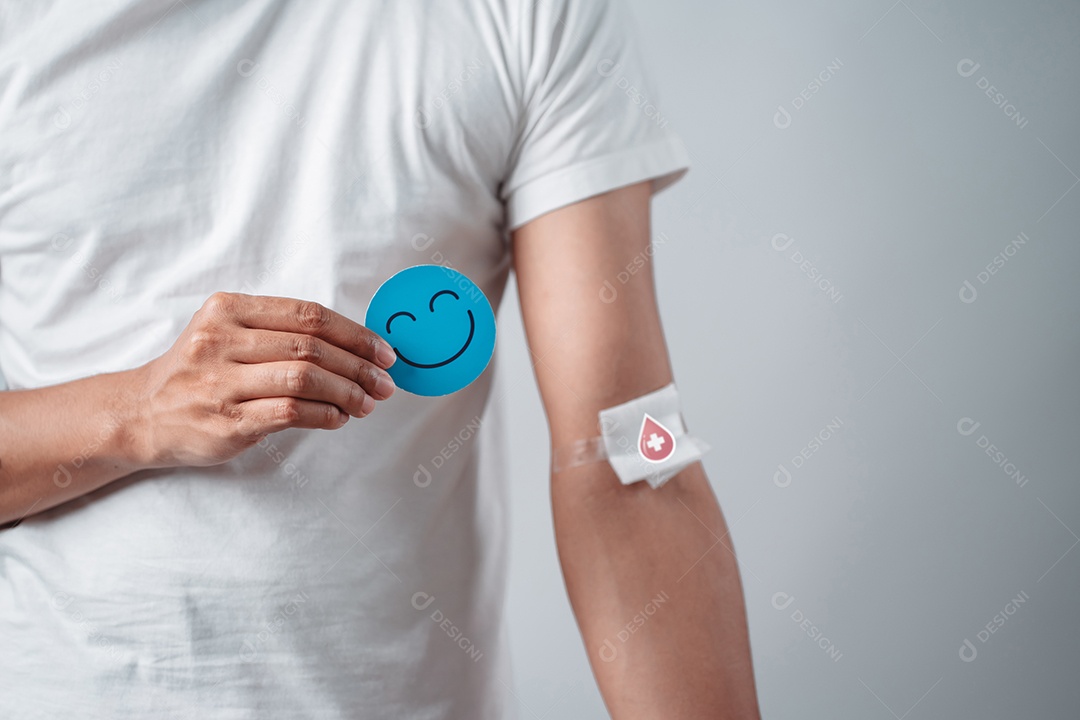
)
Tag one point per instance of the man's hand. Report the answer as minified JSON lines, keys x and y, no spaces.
{"x":651,"y":574}
{"x":247,"y":366}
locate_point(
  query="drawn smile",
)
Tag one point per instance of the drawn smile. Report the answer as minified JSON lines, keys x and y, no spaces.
{"x":431,"y":307}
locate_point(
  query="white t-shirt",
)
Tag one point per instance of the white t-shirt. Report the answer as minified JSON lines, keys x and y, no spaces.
{"x":153,"y":152}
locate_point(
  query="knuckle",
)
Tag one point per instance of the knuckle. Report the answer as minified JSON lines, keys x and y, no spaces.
{"x":312,"y":315}
{"x":232,"y":411}
{"x":201,"y":343}
{"x":287,"y":410}
{"x":307,"y":348}
{"x":300,"y":377}
{"x":219,"y":407}
{"x":243,"y":429}
{"x":373,"y":342}
{"x":219,"y":302}
{"x":358,"y":372}
{"x":356,"y":396}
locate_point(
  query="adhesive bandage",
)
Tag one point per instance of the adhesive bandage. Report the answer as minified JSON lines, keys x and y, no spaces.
{"x":642,"y":439}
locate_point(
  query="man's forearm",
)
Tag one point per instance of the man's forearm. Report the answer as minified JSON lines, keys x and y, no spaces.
{"x":655,"y":587}
{"x":244,"y":367}
{"x":63,"y":441}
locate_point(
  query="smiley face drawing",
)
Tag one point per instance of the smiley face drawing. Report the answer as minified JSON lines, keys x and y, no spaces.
{"x":439,"y":324}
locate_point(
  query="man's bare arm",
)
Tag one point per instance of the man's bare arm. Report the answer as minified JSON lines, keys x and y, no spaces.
{"x":245,"y":366}
{"x":623,"y":547}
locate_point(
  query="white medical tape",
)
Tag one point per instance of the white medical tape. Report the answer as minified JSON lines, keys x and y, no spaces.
{"x":582,"y":452}
{"x":642,"y":439}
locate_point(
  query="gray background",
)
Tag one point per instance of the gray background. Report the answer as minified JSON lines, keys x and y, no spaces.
{"x":898,"y":180}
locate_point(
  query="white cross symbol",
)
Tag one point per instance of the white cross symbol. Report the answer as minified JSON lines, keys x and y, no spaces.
{"x":655,"y":442}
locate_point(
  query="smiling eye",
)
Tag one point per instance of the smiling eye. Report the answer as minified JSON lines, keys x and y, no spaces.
{"x":431,"y":305}
{"x":391,"y":319}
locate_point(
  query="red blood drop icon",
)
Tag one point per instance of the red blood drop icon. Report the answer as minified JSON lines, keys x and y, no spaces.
{"x":655,"y":443}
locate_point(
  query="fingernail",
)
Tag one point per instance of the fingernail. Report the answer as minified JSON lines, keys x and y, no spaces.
{"x":384,"y":386}
{"x":368,"y":405}
{"x":385,"y":355}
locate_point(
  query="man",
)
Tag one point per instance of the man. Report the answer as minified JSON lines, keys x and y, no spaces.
{"x":217,"y":505}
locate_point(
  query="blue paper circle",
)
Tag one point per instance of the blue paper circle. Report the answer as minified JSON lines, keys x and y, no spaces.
{"x":440,"y":325}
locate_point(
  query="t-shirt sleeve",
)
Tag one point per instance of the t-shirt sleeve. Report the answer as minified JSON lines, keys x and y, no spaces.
{"x":591,"y":120}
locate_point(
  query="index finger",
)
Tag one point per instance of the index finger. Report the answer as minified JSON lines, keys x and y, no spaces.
{"x":304,"y":316}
